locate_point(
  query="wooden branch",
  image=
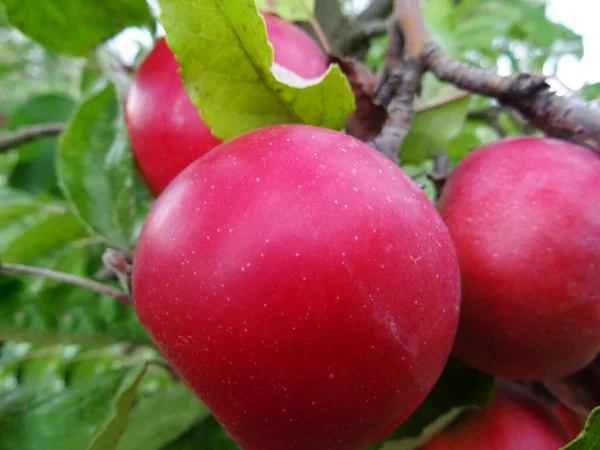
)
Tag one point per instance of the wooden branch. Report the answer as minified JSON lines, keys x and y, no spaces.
{"x":564,"y":117}
{"x":352,"y":37}
{"x":411,"y":52}
{"x":402,"y":76}
{"x":29,"y":133}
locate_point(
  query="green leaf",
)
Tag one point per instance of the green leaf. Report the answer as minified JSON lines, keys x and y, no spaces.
{"x":66,"y":420}
{"x":46,"y":234}
{"x":590,"y":436}
{"x":591,"y":91}
{"x":65,"y":315}
{"x":30,"y":228}
{"x":291,"y":10}
{"x":15,"y":203}
{"x":460,"y":388}
{"x":226,"y":60}
{"x":95,"y":168}
{"x":207,"y":435}
{"x":161,"y":418}
{"x":435,"y":126}
{"x":109,"y":435}
{"x":35,"y":171}
{"x":75,"y":26}
{"x":440,"y":18}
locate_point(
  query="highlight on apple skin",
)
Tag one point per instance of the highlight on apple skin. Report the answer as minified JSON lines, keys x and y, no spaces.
{"x":165,"y":129}
{"x":302,"y":285}
{"x":524,"y":215}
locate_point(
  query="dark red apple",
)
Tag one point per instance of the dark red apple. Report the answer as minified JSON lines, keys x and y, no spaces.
{"x":302,"y":285}
{"x":572,"y":422}
{"x":516,"y":420}
{"x":165,"y":128}
{"x":524,"y":215}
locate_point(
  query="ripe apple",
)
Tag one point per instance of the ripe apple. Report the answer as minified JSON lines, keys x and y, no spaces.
{"x":165,"y":128}
{"x":572,"y":422}
{"x":524,"y":215}
{"x":302,"y":285}
{"x":516,"y":420}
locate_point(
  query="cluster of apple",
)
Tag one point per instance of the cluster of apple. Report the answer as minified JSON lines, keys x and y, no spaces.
{"x":310,"y":294}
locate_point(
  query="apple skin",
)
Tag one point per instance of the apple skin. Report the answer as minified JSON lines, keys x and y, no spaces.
{"x":524,"y":215}
{"x":516,"y":420}
{"x":165,"y":129}
{"x":302,"y":285}
{"x":572,"y":422}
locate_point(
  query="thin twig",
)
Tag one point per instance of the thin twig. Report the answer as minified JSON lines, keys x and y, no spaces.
{"x":10,"y":269}
{"x":29,"y":133}
{"x":314,"y":23}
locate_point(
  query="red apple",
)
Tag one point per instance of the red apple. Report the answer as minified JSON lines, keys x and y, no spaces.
{"x":302,"y":285}
{"x":572,"y":422}
{"x":165,"y":128}
{"x":516,"y":420}
{"x":524,"y":215}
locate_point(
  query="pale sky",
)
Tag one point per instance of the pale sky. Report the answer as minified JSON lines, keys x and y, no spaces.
{"x":579,"y":15}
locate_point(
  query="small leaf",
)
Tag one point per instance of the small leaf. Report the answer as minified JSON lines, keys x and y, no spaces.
{"x":95,"y":168}
{"x":291,"y":10}
{"x":46,"y":234}
{"x":66,"y":420}
{"x":75,"y":26}
{"x":226,"y":64}
{"x":590,"y":436}
{"x":460,"y":388}
{"x":591,"y":91}
{"x":30,"y":228}
{"x":433,"y":128}
{"x":112,"y":430}
{"x":14,"y":204}
{"x":161,"y":418}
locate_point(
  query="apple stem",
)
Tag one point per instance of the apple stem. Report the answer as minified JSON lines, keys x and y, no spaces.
{"x":10,"y":269}
{"x":320,"y":34}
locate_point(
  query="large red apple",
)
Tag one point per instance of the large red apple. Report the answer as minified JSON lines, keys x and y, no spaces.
{"x":515,"y":420}
{"x":302,"y":285}
{"x":165,"y":128}
{"x":524,"y":214}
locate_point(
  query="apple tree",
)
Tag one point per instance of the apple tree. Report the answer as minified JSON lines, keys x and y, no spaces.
{"x":296,"y":225}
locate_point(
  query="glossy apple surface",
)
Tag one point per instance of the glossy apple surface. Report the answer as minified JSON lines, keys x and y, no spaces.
{"x":515,"y":420}
{"x":524,"y":215}
{"x":165,"y":128}
{"x":302,"y":285}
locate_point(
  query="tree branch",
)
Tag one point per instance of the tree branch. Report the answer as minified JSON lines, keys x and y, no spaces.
{"x":563,"y":117}
{"x":402,"y":76}
{"x":29,"y":133}
{"x":10,"y":269}
{"x":351,"y":37}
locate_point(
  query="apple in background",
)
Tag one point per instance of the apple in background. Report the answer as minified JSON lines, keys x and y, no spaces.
{"x":165,"y":128}
{"x":302,"y":285}
{"x":516,"y":420}
{"x":524,"y":215}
